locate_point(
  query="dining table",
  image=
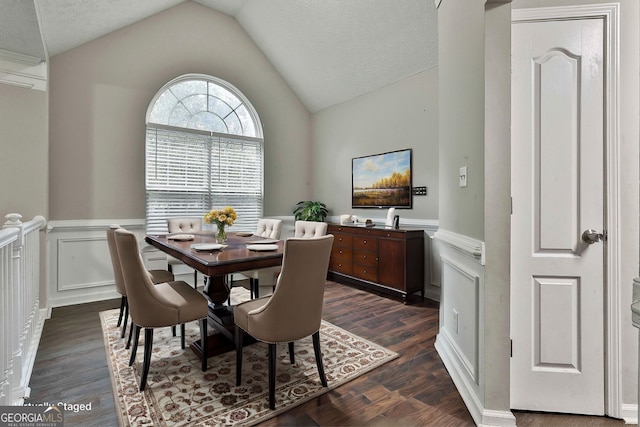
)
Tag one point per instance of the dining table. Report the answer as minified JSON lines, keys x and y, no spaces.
{"x":242,"y":251}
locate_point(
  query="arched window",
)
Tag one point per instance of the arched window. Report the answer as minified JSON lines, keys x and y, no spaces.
{"x":204,"y":150}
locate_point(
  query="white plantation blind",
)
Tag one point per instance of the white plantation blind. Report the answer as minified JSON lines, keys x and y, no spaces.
{"x":190,"y":172}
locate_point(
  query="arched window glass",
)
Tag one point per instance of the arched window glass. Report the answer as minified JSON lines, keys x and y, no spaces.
{"x":204,"y":150}
{"x":203,"y":105}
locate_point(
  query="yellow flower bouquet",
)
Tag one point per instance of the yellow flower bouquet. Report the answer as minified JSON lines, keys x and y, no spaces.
{"x":221,"y":218}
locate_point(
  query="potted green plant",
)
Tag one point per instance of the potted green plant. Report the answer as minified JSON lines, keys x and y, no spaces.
{"x":310,"y":211}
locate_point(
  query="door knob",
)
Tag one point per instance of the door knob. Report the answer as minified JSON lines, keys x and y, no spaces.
{"x":591,"y":236}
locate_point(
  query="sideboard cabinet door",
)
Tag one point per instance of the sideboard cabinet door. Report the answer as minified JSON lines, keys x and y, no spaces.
{"x":391,"y":264}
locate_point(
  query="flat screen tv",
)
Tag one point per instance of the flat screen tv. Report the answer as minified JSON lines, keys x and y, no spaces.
{"x":382,"y":180}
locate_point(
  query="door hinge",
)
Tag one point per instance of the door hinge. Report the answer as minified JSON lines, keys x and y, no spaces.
{"x":511,"y":342}
{"x":511,"y":198}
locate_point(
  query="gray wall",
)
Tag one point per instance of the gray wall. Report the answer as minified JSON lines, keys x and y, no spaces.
{"x":497,"y":205}
{"x":402,"y":115}
{"x":461,"y":112}
{"x":473,"y":60}
{"x":24,"y":151}
{"x":100,"y":92}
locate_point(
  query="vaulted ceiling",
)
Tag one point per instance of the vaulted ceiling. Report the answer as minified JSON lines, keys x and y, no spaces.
{"x":328,"y":51}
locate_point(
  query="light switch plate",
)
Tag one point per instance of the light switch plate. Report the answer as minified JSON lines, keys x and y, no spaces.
{"x":463,"y":176}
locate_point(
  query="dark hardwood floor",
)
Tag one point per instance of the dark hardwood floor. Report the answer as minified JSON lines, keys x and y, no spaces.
{"x":413,"y":390}
{"x":71,"y":365}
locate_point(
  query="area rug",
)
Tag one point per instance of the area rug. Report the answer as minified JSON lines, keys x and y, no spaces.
{"x":178,"y":393}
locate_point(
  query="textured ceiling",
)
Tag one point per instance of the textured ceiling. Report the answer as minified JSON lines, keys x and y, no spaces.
{"x":328,"y":51}
{"x":19,"y":30}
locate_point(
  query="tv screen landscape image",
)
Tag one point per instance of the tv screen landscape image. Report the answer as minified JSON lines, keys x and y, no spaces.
{"x":382,"y":180}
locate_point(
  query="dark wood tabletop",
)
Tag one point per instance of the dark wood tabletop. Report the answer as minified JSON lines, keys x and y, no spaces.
{"x":231,"y":259}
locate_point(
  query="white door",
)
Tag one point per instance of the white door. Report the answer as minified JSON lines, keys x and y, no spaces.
{"x":557,"y":280}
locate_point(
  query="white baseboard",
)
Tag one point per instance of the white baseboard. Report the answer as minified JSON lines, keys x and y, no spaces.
{"x":456,"y":371}
{"x":468,"y":390}
{"x":94,"y":296}
{"x":497,"y":419}
{"x":629,"y":413}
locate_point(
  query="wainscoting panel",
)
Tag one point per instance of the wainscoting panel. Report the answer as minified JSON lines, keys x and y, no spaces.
{"x":459,"y":314}
{"x":459,"y":342}
{"x":74,"y":253}
{"x":78,"y":261}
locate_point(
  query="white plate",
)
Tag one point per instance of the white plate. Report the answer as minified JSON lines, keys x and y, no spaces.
{"x":262,"y":247}
{"x":181,"y":237}
{"x":207,"y":246}
{"x":262,"y":241}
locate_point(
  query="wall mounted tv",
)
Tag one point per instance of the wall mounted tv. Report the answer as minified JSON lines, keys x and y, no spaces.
{"x":382,"y":180}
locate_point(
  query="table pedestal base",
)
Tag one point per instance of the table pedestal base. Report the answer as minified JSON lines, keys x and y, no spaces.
{"x":221,"y":318}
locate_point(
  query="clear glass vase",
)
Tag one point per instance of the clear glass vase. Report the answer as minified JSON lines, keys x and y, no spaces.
{"x":221,"y":234}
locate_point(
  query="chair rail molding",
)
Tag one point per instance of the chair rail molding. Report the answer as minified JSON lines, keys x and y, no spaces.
{"x":464,"y":244}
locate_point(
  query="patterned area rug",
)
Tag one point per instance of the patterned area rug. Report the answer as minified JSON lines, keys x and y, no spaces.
{"x":178,"y":393}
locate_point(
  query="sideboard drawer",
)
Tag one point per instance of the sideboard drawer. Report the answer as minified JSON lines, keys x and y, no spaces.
{"x":341,"y":253}
{"x":365,"y":258}
{"x":339,"y":266}
{"x":340,"y":239}
{"x":365,"y":272}
{"x":366,"y":243}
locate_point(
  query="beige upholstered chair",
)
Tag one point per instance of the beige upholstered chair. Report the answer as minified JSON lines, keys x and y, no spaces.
{"x":308,"y":229}
{"x":157,"y":276}
{"x":155,"y":306}
{"x":293,"y":311}
{"x":268,"y":228}
{"x":183,"y":225}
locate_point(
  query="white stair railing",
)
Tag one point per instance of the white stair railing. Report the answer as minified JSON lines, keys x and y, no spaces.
{"x":21,"y":319}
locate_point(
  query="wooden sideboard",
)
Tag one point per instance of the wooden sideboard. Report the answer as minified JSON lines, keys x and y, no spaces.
{"x":387,"y":259}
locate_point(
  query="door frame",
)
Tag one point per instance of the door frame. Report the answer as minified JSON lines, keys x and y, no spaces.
{"x":610,"y":13}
